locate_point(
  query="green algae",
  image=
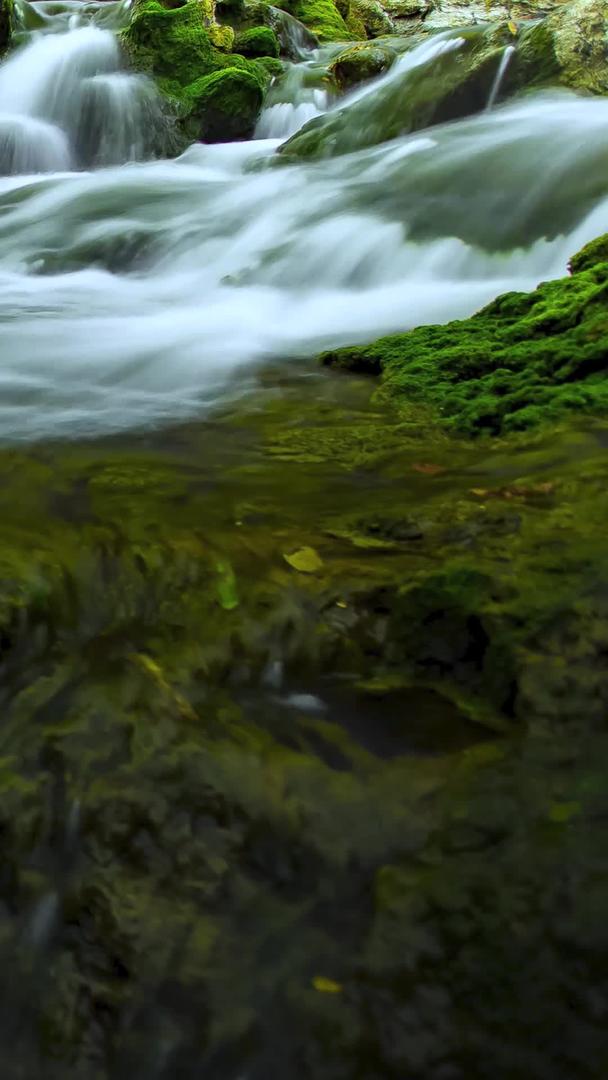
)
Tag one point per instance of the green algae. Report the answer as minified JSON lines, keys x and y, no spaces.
{"x":190,"y":824}
{"x":524,"y":360}
{"x":174,"y":810}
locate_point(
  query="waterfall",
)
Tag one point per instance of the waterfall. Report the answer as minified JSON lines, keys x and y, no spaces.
{"x":65,"y":102}
{"x":503,"y":66}
{"x":144,"y":294}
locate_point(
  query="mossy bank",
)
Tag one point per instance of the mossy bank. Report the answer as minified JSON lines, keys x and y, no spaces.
{"x":527,"y":359}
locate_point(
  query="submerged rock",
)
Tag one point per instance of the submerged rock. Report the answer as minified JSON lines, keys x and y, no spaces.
{"x":372,"y":15}
{"x":360,"y":63}
{"x":524,"y":360}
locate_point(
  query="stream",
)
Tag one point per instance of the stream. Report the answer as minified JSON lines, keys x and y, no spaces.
{"x":138,"y":291}
{"x":303,"y":746}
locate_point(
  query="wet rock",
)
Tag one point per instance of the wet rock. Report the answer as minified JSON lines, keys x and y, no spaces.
{"x":360,"y":63}
{"x":373,"y":16}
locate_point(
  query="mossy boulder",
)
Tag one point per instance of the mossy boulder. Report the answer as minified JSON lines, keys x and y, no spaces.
{"x":524,"y":360}
{"x":454,"y":84}
{"x":179,"y":47}
{"x":372,"y":15}
{"x":257,"y":41}
{"x":360,"y":63}
{"x":226,"y":104}
{"x":572,"y":44}
{"x":323,"y":18}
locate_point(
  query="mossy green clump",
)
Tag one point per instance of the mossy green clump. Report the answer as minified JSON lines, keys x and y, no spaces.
{"x":256,"y":42}
{"x":323,"y":18}
{"x":171,"y":43}
{"x":178,"y":46}
{"x":524,"y":360}
{"x":226,"y":103}
{"x":588,"y":257}
{"x":360,"y":63}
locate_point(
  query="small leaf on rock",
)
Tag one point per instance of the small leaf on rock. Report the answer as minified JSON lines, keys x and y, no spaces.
{"x":427,"y":468}
{"x":326,"y":986}
{"x":305,"y":559}
{"x":226,"y":586}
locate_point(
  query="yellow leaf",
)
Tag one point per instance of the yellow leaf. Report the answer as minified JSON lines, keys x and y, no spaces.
{"x":325,"y":985}
{"x":560,"y":813}
{"x":512,"y":27}
{"x":305,"y":559}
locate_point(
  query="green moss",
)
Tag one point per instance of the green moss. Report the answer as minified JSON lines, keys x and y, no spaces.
{"x":216,"y":95}
{"x":170,"y":42}
{"x":593,"y":253}
{"x":256,"y":42}
{"x":323,"y":18}
{"x":524,"y":360}
{"x":360,"y":63}
{"x":227,"y":103}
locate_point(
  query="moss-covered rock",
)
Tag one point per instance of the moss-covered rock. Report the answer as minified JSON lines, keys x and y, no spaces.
{"x":226,"y":104}
{"x":455,"y":83}
{"x":373,"y":17}
{"x":323,"y":18}
{"x":576,"y":41}
{"x":524,"y":360}
{"x":360,"y":63}
{"x":216,"y":95}
{"x":257,"y":41}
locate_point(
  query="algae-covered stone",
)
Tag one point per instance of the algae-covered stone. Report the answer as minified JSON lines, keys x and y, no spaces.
{"x":580,"y":44}
{"x":360,"y":63}
{"x":323,"y":18}
{"x":456,"y":82}
{"x":256,"y":42}
{"x":216,"y":95}
{"x":227,"y":104}
{"x":524,"y":360}
{"x":373,"y":16}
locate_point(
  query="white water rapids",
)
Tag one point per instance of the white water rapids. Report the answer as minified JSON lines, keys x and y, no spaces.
{"x":142,"y":292}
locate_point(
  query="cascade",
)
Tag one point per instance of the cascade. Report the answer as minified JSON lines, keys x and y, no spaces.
{"x":141,"y":293}
{"x":503,"y":67}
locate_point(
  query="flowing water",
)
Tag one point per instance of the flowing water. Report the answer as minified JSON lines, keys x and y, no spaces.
{"x":135,"y":290}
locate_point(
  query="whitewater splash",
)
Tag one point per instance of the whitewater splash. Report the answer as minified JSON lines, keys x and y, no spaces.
{"x":143,"y":294}
{"x":66,"y":104}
